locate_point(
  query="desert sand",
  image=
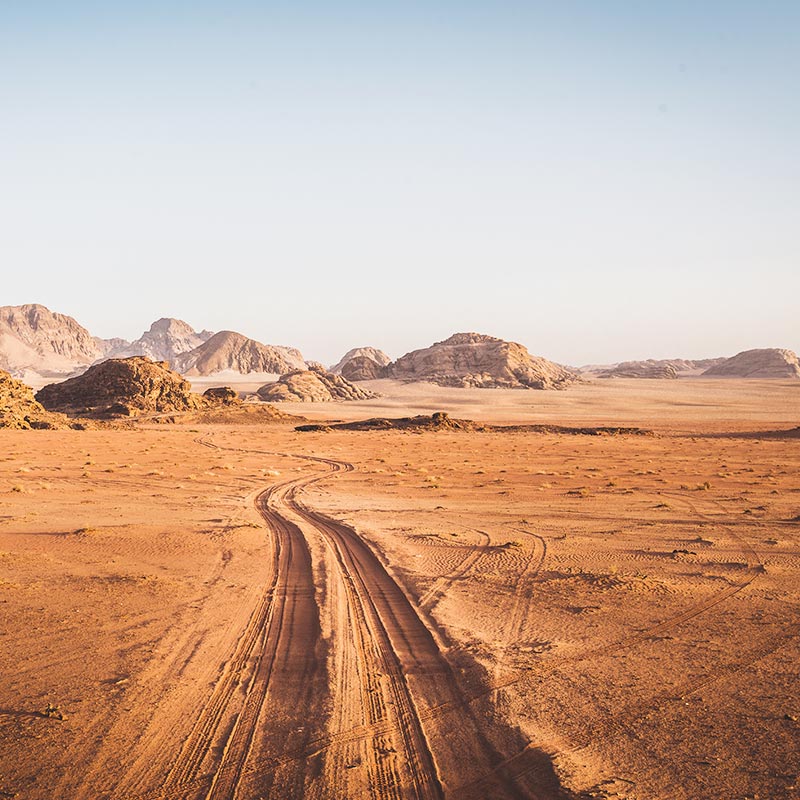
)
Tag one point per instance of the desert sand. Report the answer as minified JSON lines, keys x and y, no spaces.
{"x":239,"y":610}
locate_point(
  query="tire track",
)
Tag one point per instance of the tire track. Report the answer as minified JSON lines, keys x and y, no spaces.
{"x":464,"y":741}
{"x":437,"y":589}
{"x":289,"y":643}
{"x":521,"y":600}
{"x":413,"y":699}
{"x":289,"y":592}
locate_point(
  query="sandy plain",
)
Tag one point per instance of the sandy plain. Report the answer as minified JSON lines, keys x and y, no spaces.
{"x":220,"y":611}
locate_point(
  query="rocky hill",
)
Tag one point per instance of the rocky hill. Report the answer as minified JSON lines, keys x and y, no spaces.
{"x":228,"y":350}
{"x":166,"y":339}
{"x":121,"y":387}
{"x":34,"y":339}
{"x":476,"y":360}
{"x":765,"y":363}
{"x":312,"y":386}
{"x":362,"y":364}
{"x":19,"y":409}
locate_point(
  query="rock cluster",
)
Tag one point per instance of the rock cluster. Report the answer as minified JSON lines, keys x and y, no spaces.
{"x":19,"y":409}
{"x":476,"y":360}
{"x":312,"y":386}
{"x":121,"y":387}
{"x":442,"y":421}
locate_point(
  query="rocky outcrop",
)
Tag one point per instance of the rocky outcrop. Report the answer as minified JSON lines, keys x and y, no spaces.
{"x":765,"y":363}
{"x":34,"y":339}
{"x":228,"y":350}
{"x":653,"y":368}
{"x":222,"y":394}
{"x":442,"y":421}
{"x":312,"y":386}
{"x":361,"y":360}
{"x":121,"y":387}
{"x":166,"y":339}
{"x":20,"y":410}
{"x":640,"y":369}
{"x":362,"y":368}
{"x":476,"y":360}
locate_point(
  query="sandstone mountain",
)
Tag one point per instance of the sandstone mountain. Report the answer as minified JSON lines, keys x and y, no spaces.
{"x":19,"y":409}
{"x":123,"y":387}
{"x":227,"y":350}
{"x":476,"y":360}
{"x":166,"y":339}
{"x":765,"y":363}
{"x":34,"y":339}
{"x":312,"y":386}
{"x":362,"y":364}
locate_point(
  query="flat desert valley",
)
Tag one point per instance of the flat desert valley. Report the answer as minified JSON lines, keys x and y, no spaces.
{"x":237,"y":610}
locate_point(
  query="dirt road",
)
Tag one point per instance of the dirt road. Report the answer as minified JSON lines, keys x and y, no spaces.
{"x":373,"y":710}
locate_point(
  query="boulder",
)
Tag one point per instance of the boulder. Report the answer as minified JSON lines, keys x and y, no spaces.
{"x":222,"y":394}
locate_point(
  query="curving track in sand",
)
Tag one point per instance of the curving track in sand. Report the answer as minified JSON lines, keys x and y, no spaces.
{"x":375,"y":710}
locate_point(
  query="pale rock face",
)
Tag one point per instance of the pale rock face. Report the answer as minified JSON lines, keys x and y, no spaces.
{"x":228,"y":350}
{"x":764,"y":363}
{"x":35,"y":339}
{"x":312,"y":386}
{"x":166,"y":339}
{"x":476,"y":360}
{"x":372,"y":353}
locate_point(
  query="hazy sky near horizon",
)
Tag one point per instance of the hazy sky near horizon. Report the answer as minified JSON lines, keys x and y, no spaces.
{"x":599,"y":181}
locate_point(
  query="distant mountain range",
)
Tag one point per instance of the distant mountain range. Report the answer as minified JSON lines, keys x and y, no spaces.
{"x":37,"y":345}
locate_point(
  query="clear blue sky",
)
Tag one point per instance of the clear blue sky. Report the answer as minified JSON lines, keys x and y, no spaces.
{"x":597,"y":180}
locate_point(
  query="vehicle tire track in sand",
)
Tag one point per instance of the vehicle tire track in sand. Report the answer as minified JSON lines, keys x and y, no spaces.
{"x":515,"y":764}
{"x":375,"y":666}
{"x":290,"y":649}
{"x":462,"y":740}
{"x":521,"y":601}
{"x":383,"y":694}
{"x":282,"y":633}
{"x":433,"y":594}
